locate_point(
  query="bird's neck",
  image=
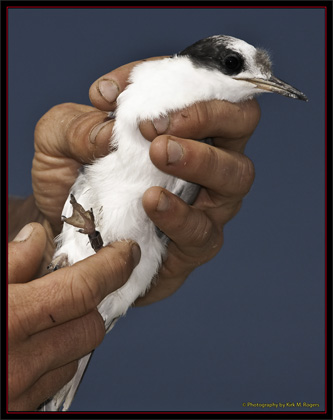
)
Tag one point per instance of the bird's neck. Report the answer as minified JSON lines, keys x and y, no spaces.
{"x":162,"y":86}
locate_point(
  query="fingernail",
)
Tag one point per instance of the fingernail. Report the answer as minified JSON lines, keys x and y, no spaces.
{"x":23,"y":234}
{"x":108,"y":89}
{"x":163,"y":202}
{"x":96,"y":129}
{"x":136,"y":253}
{"x":161,"y":124}
{"x":175,"y":151}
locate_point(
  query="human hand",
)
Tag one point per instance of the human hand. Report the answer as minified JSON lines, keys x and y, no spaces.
{"x":224,"y":172}
{"x":66,"y":137}
{"x":196,"y":232}
{"x":70,"y":135}
{"x":53,"y":320}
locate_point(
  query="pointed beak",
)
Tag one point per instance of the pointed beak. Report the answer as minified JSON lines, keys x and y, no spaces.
{"x":273,"y":84}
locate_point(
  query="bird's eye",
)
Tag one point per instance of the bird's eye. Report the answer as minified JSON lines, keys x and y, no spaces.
{"x":233,"y":63}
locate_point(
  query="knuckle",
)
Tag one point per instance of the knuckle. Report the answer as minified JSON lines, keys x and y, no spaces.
{"x":235,"y":173}
{"x":94,"y":329}
{"x":84,"y":289}
{"x":205,"y":243}
{"x":54,"y":123}
{"x":17,"y":328}
{"x":190,"y":122}
{"x":203,"y":231}
{"x":246,"y":174}
{"x":42,"y":122}
{"x":198,"y":229}
{"x":199,"y":115}
{"x":251,"y":115}
{"x":79,"y":129}
{"x":248,"y":116}
{"x":214,"y":243}
{"x":49,"y":115}
{"x":212,"y":161}
{"x":91,"y":293}
{"x":76,"y":129}
{"x":199,"y":119}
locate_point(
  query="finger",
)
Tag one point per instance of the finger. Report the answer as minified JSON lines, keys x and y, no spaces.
{"x":105,"y":90}
{"x":69,"y":341}
{"x":51,"y":382}
{"x":226,"y":173}
{"x":60,"y":345}
{"x":229,"y":124}
{"x":25,"y":253}
{"x":194,"y":240}
{"x":44,"y":388}
{"x":74,"y":291}
{"x":75,"y":131}
{"x":189,"y":228}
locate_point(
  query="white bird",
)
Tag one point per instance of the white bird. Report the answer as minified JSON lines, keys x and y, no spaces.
{"x":219,"y":67}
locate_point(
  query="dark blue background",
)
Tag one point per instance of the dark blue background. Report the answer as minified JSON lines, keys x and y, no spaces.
{"x":249,"y":325}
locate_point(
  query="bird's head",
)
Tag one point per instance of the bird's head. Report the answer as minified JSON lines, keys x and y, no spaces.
{"x":246,"y":70}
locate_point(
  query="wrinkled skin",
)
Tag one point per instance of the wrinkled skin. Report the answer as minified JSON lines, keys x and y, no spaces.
{"x":71,"y":134}
{"x":53,"y":320}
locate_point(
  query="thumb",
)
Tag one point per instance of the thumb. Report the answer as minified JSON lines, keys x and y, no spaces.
{"x":25,"y":253}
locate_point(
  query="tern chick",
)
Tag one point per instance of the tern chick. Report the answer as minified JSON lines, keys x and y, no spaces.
{"x":219,"y":67}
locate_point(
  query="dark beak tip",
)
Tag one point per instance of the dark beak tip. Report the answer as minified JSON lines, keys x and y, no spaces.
{"x":302,"y":97}
{"x":299,"y":97}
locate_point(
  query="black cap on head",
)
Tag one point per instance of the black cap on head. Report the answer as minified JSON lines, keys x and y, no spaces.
{"x":214,"y":53}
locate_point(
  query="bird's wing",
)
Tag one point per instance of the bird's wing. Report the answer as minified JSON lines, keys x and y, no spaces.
{"x":185,"y":190}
